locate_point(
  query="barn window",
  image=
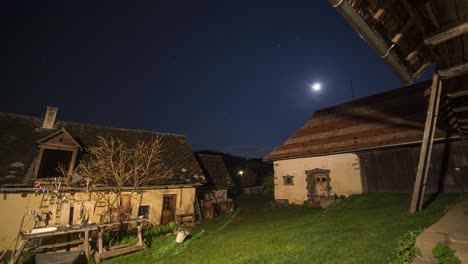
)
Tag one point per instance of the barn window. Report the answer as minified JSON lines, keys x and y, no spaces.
{"x":288,"y":180}
{"x":57,"y":150}
{"x":143,"y":211}
{"x":52,"y":160}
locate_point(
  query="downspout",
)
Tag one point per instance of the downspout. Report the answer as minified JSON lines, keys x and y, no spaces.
{"x":360,"y":26}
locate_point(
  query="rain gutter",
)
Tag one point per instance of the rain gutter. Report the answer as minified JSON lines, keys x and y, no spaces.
{"x":360,"y":26}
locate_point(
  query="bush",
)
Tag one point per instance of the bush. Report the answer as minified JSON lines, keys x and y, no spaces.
{"x":158,"y":230}
{"x":444,"y":254}
{"x":406,"y":251}
{"x":269,"y":187}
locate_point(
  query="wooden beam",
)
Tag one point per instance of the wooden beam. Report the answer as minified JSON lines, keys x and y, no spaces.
{"x":447,"y":32}
{"x":414,"y":13}
{"x":426,"y":147}
{"x":414,"y":53}
{"x":421,"y":69}
{"x":454,"y":71}
{"x":434,"y":113}
{"x":460,"y":109}
{"x":403,"y":31}
{"x":457,"y":94}
{"x":379,"y":13}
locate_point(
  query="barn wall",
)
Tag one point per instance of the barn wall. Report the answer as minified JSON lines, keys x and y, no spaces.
{"x":344,"y":174}
{"x":394,"y":170}
{"x":14,"y":207}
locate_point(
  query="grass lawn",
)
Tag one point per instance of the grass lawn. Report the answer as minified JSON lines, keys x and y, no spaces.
{"x":361,"y":229}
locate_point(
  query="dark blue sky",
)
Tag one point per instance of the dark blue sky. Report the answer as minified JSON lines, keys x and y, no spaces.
{"x":231,"y":76}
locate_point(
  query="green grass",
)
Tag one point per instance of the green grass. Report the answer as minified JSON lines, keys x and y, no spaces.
{"x":360,"y":229}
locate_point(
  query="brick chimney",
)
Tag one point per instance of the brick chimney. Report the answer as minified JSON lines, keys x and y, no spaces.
{"x":50,"y":116}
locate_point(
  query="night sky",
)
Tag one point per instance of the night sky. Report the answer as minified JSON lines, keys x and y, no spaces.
{"x":232,"y":76}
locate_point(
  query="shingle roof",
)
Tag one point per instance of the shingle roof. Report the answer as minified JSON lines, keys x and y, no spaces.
{"x":18,"y":148}
{"x":215,"y":170}
{"x":390,"y":118}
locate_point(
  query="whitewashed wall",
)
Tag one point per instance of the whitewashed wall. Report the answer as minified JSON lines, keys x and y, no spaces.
{"x":344,"y":169}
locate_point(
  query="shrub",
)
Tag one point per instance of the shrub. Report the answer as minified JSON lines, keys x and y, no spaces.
{"x":406,"y":251}
{"x":269,"y":187}
{"x":444,"y":254}
{"x":158,"y":230}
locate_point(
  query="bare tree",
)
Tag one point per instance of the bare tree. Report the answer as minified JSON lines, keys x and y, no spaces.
{"x":113,"y":164}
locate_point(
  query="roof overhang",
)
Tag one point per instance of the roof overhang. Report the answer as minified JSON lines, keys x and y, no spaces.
{"x":357,"y":150}
{"x":412,"y":35}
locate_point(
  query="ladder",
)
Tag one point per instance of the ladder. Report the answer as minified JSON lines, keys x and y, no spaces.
{"x":199,"y":218}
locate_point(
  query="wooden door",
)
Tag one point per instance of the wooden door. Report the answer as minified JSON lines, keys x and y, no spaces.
{"x":168,"y":208}
{"x":321,"y":185}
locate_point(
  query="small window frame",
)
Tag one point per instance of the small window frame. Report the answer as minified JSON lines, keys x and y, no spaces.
{"x":288,"y":180}
{"x":148,"y":210}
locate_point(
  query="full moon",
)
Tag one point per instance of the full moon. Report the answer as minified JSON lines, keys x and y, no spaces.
{"x":316,"y":86}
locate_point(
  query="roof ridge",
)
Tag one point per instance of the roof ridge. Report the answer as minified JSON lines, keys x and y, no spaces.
{"x":125,"y":129}
{"x":411,"y":86}
{"x":93,"y":125}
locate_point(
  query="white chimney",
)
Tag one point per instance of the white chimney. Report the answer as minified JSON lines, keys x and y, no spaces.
{"x":50,"y":116}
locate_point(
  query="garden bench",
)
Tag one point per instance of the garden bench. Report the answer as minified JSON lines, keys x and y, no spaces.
{"x":184,"y":218}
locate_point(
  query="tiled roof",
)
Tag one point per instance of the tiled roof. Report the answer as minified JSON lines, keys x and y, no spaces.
{"x":215,"y":170}
{"x":18,"y":148}
{"x":385,"y":119}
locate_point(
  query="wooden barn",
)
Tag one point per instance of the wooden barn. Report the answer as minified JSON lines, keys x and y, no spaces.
{"x":410,"y":36}
{"x":31,"y":150}
{"x":368,"y":145}
{"x":218,"y":182}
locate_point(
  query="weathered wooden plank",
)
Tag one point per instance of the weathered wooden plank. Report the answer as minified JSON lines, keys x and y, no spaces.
{"x":62,"y":244}
{"x":460,"y":109}
{"x":53,"y":216}
{"x":426,"y":147}
{"x":447,"y":32}
{"x":414,"y":53}
{"x":422,"y":69}
{"x":17,"y":252}
{"x":379,"y":13}
{"x":64,"y":214}
{"x":77,"y":213}
{"x":458,"y":93}
{"x":454,"y":71}
{"x":121,"y":246}
{"x":58,"y":232}
{"x":403,"y":31}
{"x":121,"y":251}
{"x":89,"y":210}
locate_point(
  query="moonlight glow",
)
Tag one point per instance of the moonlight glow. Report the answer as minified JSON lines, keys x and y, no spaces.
{"x":316,"y":86}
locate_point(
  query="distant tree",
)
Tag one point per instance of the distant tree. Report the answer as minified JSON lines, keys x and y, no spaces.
{"x":269,"y":187}
{"x":122,"y":168}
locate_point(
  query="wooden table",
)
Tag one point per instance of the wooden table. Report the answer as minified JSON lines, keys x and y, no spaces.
{"x":26,"y":237}
{"x":84,"y":243}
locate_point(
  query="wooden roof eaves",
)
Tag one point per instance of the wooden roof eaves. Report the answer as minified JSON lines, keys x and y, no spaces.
{"x":361,"y":149}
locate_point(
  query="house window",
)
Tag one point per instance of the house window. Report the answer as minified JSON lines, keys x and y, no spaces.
{"x":52,"y":160}
{"x":143,"y":210}
{"x":169,"y":202}
{"x":288,"y":180}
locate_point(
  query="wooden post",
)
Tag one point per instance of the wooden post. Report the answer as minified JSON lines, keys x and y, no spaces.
{"x":140,"y":239}
{"x":426,"y":146}
{"x":101,"y":233}
{"x":86,"y":243}
{"x":435,"y":113}
{"x":14,"y":259}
